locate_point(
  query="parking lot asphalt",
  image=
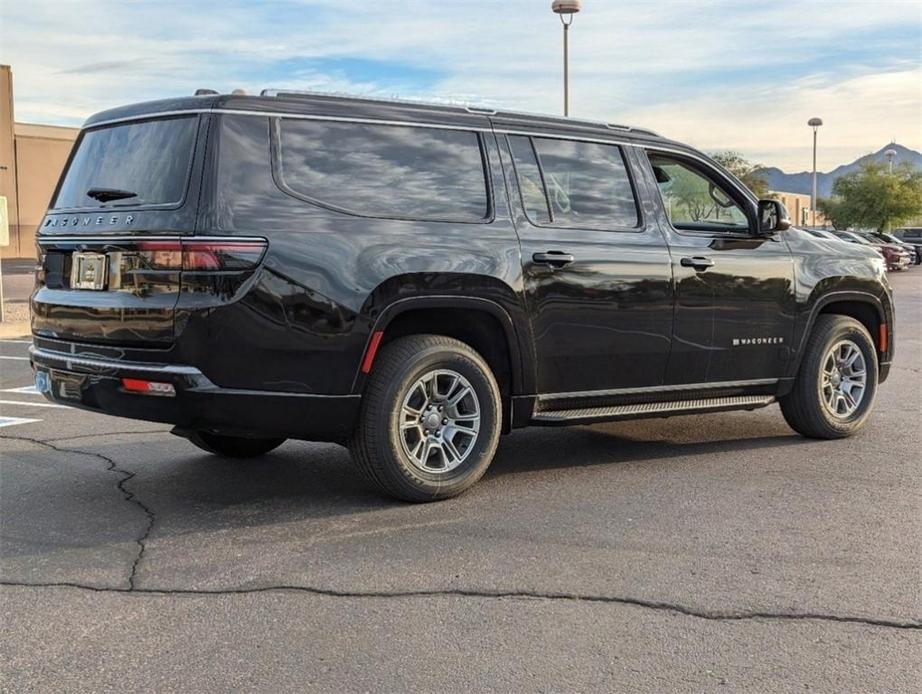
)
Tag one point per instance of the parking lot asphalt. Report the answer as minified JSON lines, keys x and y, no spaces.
{"x":719,"y":551}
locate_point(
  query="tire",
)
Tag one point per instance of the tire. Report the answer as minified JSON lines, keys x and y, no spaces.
{"x":397,"y":393}
{"x":233,"y":446}
{"x":807,"y":408}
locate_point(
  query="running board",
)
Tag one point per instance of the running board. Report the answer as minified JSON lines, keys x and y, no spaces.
{"x":652,"y":409}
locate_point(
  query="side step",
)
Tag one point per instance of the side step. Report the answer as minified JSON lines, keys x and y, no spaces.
{"x":652,"y":409}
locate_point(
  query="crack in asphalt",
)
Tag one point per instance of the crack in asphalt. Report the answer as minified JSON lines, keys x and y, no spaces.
{"x":130,"y":496}
{"x":496,"y":595}
{"x":676,"y":608}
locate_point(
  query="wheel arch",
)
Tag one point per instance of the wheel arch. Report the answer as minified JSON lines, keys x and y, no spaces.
{"x":866,"y":308}
{"x":483,"y":324}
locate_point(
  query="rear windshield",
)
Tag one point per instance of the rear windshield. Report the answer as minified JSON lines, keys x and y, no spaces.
{"x":132,"y":164}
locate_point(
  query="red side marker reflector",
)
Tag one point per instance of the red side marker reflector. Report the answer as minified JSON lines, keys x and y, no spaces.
{"x":884,"y":337}
{"x":372,"y":350}
{"x":139,"y":385}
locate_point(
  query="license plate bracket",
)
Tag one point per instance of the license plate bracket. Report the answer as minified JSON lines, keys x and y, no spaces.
{"x":88,"y":271}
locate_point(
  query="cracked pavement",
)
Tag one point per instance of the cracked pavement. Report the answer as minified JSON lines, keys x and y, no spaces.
{"x":677,"y":554}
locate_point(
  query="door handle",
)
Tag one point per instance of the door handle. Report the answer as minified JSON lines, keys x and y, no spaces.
{"x":553,"y":258}
{"x":698,"y":262}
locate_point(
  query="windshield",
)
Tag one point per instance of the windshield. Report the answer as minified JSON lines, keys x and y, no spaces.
{"x":131,"y":164}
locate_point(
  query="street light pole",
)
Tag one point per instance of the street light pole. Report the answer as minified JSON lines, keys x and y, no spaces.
{"x":565,"y":9}
{"x":814,"y":123}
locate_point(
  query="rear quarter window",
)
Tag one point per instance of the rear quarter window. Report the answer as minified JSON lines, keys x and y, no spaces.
{"x":150,"y":159}
{"x":393,"y":171}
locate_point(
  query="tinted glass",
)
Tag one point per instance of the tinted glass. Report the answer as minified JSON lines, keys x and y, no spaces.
{"x":693,"y":201}
{"x":587,"y":184}
{"x":534,"y":198}
{"x":385,"y":170}
{"x":150,"y":159}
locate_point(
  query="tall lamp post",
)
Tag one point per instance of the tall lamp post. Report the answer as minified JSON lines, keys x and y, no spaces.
{"x":891,"y":155}
{"x":814,"y":123}
{"x":565,"y":9}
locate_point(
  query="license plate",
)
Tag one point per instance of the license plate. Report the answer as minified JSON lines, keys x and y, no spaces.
{"x":42,"y":382}
{"x":88,"y":271}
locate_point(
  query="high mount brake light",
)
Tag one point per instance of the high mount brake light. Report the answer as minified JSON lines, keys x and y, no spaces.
{"x":203,"y":255}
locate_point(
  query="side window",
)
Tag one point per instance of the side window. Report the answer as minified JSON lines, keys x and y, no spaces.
{"x":582,"y":185}
{"x":693,"y":201}
{"x":384,"y":170}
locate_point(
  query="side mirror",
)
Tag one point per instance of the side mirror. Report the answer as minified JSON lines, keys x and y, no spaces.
{"x":773,"y":216}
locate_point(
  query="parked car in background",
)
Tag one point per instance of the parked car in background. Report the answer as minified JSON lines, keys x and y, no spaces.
{"x":897,"y":255}
{"x":821,"y":234}
{"x":913,"y":237}
{"x":884,"y":237}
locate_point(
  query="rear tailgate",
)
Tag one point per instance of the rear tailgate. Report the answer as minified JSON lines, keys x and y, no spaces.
{"x":110,"y":255}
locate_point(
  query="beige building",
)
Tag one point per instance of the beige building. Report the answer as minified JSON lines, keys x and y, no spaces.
{"x":31,"y":160}
{"x":798,"y":207}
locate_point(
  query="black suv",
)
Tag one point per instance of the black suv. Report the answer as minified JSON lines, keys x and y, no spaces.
{"x":414,"y":280}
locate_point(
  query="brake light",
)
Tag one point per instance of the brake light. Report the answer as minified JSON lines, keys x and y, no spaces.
{"x":203,"y":255}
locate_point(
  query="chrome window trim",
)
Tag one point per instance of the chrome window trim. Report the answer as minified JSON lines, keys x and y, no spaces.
{"x":658,"y":389}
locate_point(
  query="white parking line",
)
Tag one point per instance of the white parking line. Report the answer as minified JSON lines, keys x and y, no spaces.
{"x":16,"y":358}
{"x":31,"y":404}
{"x":25,"y":390}
{"x":18,"y":342}
{"x":13,"y":421}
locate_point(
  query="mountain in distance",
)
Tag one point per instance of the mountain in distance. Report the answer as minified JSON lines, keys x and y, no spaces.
{"x":803,"y":182}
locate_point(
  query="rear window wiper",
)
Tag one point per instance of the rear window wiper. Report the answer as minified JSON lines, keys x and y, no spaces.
{"x":107,"y":194}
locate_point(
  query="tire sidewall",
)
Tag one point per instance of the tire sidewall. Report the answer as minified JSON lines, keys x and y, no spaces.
{"x":481,"y":380}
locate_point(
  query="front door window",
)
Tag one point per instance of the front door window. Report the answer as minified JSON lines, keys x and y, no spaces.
{"x":694,"y":202}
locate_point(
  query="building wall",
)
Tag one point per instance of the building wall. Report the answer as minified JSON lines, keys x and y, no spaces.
{"x":31,"y":160}
{"x":7,"y":151}
{"x":798,"y":207}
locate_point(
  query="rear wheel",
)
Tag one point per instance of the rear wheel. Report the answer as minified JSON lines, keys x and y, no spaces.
{"x":233,"y":446}
{"x":835,"y":387}
{"x":430,"y":419}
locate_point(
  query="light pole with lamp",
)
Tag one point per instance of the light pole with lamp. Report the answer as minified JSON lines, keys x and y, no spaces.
{"x":565,"y":9}
{"x":891,"y":155}
{"x":814,"y":123}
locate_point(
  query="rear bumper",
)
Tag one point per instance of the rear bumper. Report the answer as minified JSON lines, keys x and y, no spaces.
{"x":95,"y":384}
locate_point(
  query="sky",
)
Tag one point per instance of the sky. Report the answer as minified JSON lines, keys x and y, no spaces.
{"x":737,"y":75}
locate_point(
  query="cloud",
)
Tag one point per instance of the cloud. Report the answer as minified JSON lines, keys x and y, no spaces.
{"x":718,"y":74}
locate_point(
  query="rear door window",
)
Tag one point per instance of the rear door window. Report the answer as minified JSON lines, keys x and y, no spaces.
{"x":390,"y":171}
{"x":585,"y":185}
{"x":130,"y":164}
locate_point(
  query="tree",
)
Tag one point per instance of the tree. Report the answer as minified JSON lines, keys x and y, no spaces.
{"x":743,"y":169}
{"x":873,"y":198}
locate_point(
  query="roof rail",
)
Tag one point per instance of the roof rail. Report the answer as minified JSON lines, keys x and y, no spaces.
{"x":632,"y":129}
{"x":344,"y":95}
{"x":470,"y":108}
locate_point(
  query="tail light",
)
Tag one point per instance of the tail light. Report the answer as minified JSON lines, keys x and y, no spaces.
{"x":202,"y":255}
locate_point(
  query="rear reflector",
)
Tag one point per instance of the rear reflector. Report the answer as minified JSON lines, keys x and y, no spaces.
{"x":884,"y":337}
{"x":373,"y":345}
{"x":203,"y":255}
{"x":139,"y":385}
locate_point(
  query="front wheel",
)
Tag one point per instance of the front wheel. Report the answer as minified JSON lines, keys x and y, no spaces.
{"x":837,"y":382}
{"x":430,"y":419}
